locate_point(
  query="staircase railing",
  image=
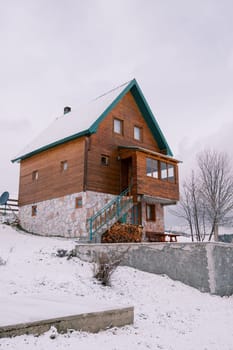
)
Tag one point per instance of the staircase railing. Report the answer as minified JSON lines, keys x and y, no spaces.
{"x":116,"y":208}
{"x":10,"y":206}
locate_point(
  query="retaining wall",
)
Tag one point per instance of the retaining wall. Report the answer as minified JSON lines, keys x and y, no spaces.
{"x":89,"y":322}
{"x":205,"y":266}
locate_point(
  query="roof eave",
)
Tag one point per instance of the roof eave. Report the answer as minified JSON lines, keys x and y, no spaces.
{"x":95,"y":125}
{"x":51,"y":145}
{"x":148,"y":151}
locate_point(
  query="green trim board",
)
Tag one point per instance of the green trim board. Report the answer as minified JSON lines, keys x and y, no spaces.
{"x":134,"y":88}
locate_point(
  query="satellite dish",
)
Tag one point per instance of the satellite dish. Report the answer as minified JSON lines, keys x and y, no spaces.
{"x":4,"y":198}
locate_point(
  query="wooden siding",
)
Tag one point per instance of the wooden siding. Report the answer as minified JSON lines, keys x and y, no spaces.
{"x":85,"y":170}
{"x":155,"y":187}
{"x":52,"y":181}
{"x":108,"y":178}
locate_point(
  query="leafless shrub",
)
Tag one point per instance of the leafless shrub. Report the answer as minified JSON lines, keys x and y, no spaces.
{"x":61,"y":253}
{"x":106,"y":265}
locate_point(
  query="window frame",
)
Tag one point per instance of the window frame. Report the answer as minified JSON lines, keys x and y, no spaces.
{"x":139,"y":128}
{"x":162,"y":171}
{"x":121,"y":124}
{"x":107,"y":158}
{"x":171,"y":179}
{"x":153,"y":170}
{"x":34,"y":210}
{"x":77,"y":202}
{"x":35,"y":175}
{"x":64,"y":165}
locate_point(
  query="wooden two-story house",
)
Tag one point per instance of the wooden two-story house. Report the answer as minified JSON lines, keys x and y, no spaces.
{"x":104,"y":162}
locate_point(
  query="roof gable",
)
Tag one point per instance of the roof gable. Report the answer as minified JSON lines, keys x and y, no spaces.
{"x":86,"y":119}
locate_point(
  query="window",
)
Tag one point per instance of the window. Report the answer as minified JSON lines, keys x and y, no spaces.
{"x":64,"y":165}
{"x":104,"y":160}
{"x":35,"y":175}
{"x":160,"y":170}
{"x":34,"y":210}
{"x":163,"y":167}
{"x":171,"y":173}
{"x":118,"y":126}
{"x":137,"y":133}
{"x":167,"y":172}
{"x":150,"y":212}
{"x":78,"y":202}
{"x":152,"y":168}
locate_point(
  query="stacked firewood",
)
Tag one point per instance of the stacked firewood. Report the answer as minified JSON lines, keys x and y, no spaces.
{"x":123,"y":233}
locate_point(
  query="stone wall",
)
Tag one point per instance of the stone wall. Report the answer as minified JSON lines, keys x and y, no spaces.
{"x":205,"y":266}
{"x":60,"y":217}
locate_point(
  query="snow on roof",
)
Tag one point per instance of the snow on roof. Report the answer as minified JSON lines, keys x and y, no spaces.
{"x":73,"y":124}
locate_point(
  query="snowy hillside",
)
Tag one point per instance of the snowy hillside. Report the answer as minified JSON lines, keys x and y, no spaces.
{"x":168,"y":314}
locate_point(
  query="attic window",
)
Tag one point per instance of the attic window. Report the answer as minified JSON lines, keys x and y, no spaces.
{"x":64,"y":165}
{"x":137,"y":133}
{"x":35,"y":175}
{"x":104,"y":160}
{"x":118,"y":126}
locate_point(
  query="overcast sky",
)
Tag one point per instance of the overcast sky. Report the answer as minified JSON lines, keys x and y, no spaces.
{"x":56,"y":53}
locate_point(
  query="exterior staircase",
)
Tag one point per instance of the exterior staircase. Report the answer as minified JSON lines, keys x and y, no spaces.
{"x":113,"y":211}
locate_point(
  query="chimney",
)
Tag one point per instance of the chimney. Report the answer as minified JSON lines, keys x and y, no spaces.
{"x":67,"y":109}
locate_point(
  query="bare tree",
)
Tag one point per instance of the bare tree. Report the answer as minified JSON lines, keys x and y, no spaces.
{"x":217,"y":188}
{"x":207,"y":198}
{"x":191,"y":208}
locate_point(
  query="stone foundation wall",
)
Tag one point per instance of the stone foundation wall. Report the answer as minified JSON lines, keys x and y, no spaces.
{"x":60,"y":217}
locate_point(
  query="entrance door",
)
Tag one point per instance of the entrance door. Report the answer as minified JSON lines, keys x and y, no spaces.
{"x":126,"y":173}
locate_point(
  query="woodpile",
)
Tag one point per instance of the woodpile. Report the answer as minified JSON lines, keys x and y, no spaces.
{"x":123,"y":233}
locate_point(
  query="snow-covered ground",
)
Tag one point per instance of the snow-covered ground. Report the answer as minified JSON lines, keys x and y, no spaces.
{"x":168,"y":314}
